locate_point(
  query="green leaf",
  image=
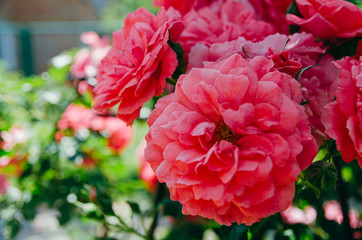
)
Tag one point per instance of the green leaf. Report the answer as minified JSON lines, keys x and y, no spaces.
{"x":346,"y":48}
{"x":181,"y":68}
{"x":135,"y":207}
{"x":293,"y":9}
{"x":186,"y":231}
{"x":15,"y":228}
{"x":233,"y":232}
{"x":321,"y":174}
{"x":104,"y":201}
{"x":172,"y":208}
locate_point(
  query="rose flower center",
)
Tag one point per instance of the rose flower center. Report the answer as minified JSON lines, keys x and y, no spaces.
{"x":224,"y":132}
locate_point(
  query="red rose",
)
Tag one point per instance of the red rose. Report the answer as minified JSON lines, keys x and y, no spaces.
{"x":328,"y":18}
{"x":231,"y":141}
{"x":136,"y":67}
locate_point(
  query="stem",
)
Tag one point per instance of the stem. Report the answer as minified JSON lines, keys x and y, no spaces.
{"x":128,"y":229}
{"x":159,"y":195}
{"x":124,"y":228}
{"x":342,"y":194}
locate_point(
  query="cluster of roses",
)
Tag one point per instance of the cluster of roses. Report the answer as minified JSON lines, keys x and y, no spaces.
{"x":246,"y":116}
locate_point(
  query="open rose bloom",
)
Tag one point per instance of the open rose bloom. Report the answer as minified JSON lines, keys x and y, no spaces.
{"x":227,"y":134}
{"x":136,"y":67}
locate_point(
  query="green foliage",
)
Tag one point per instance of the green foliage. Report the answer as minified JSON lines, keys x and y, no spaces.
{"x":181,"y":68}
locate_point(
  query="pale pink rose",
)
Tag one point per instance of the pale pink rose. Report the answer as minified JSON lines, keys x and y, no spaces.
{"x":145,"y":171}
{"x":184,"y":6}
{"x":273,"y":11}
{"x":342,"y":118}
{"x":328,"y":18}
{"x":87,"y":60}
{"x":231,"y":141}
{"x":4,"y":184}
{"x":120,"y":134}
{"x":136,"y":67}
{"x":15,"y":135}
{"x":76,"y":117}
{"x":333,"y":212}
{"x":294,"y":215}
{"x":228,"y":22}
{"x":319,"y":83}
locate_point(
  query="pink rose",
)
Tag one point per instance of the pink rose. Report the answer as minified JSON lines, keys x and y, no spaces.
{"x":228,"y":22}
{"x":231,"y":141}
{"x":120,"y":134}
{"x":294,"y":215}
{"x":328,"y":18}
{"x":333,"y":212}
{"x":136,"y":67}
{"x":342,"y":118}
{"x":76,"y":117}
{"x":184,"y":6}
{"x":15,"y":135}
{"x":87,"y":60}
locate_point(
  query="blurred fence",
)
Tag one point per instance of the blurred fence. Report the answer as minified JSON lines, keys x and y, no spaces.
{"x":28,"y":47}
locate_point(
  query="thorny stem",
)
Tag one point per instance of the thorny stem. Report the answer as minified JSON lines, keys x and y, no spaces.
{"x":342,"y":194}
{"x":159,"y":195}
